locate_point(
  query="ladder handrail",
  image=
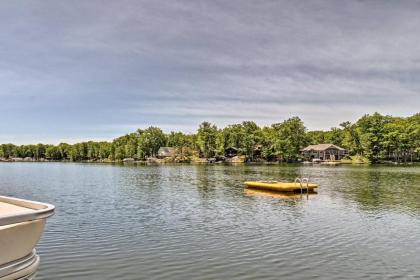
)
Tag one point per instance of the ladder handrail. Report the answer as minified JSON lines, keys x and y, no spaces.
{"x":298,"y":180}
{"x":302,"y":181}
{"x":307,"y":186}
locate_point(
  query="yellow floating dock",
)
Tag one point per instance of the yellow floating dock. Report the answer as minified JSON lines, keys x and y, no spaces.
{"x":279,"y":186}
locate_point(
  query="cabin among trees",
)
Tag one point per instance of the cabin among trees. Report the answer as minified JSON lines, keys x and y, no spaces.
{"x":231,"y":152}
{"x":165,"y":152}
{"x":324,"y":152}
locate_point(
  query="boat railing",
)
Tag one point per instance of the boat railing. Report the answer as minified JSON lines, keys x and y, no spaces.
{"x":40,"y":211}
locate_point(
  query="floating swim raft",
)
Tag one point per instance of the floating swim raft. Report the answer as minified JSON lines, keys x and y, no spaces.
{"x":280,"y":186}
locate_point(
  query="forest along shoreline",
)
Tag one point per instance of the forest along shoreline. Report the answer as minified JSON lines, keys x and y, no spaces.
{"x":371,"y":139}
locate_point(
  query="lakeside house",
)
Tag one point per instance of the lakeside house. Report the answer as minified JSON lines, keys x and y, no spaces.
{"x":165,"y":152}
{"x":324,"y":152}
{"x":231,"y":152}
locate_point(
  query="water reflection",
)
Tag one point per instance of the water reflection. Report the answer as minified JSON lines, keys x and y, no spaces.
{"x":278,"y":195}
{"x":205,"y":181}
{"x":378,"y":188}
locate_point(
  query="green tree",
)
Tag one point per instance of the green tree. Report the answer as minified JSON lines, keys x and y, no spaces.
{"x":351,"y":138}
{"x":52,"y":152}
{"x":268,"y":139}
{"x":105,"y":150}
{"x":64,"y":150}
{"x":316,"y":137}
{"x":150,"y":141}
{"x":179,"y":140}
{"x":39,"y":151}
{"x":251,"y":136}
{"x":233,"y":136}
{"x":220,"y":143}
{"x":289,"y":139}
{"x":372,"y":132}
{"x":414,"y":135}
{"x":9,"y":150}
{"x":335,"y":136}
{"x":78,"y":151}
{"x":206,"y":139}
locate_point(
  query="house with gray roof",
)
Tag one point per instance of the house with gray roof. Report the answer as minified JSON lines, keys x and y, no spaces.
{"x":324,"y":152}
{"x":164,"y":152}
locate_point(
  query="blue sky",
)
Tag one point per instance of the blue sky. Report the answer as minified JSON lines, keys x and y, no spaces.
{"x":78,"y":70}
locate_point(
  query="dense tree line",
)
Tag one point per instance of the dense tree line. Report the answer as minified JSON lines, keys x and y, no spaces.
{"x":375,"y":137}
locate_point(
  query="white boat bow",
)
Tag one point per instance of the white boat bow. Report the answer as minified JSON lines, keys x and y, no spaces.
{"x":21,"y":226}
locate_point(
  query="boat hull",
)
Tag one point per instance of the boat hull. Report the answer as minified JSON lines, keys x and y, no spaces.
{"x":18,"y":240}
{"x":22,"y":223}
{"x":22,"y":269}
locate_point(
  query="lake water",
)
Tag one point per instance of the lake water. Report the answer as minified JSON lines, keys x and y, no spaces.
{"x":197,"y":222}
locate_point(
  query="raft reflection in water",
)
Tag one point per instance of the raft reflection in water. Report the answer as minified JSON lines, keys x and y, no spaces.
{"x":273,"y":194}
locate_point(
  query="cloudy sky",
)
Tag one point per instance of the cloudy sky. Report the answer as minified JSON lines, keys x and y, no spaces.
{"x":97,"y":69}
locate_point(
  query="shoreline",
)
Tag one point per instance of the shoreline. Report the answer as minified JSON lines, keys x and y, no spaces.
{"x":163,"y":162}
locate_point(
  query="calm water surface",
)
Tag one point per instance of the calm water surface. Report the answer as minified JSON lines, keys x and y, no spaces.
{"x":196,"y":222}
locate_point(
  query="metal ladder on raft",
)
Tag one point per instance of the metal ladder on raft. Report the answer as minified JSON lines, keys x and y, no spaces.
{"x":301,"y":182}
